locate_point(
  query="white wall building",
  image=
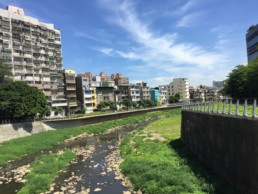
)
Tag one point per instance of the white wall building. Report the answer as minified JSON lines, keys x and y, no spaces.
{"x":178,"y":85}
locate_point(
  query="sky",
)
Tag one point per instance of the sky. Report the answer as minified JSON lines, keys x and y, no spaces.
{"x":149,"y":40}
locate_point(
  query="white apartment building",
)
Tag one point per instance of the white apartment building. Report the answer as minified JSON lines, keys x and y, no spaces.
{"x":134,"y":93}
{"x":32,"y":49}
{"x":163,"y":95}
{"x":178,"y":85}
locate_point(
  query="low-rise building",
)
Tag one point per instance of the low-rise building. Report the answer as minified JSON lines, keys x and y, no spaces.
{"x":70,"y":90}
{"x":155,"y":94}
{"x":86,"y":95}
{"x":144,"y":91}
{"x":134,"y":93}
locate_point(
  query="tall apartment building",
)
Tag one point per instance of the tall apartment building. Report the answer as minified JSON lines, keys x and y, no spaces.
{"x":252,"y":42}
{"x":70,"y":90}
{"x":179,"y":85}
{"x":33,"y":51}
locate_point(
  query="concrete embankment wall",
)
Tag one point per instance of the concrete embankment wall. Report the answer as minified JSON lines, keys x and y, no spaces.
{"x":12,"y":131}
{"x":227,"y":144}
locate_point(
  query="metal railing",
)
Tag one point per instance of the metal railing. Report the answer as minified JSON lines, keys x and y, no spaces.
{"x":240,"y":107}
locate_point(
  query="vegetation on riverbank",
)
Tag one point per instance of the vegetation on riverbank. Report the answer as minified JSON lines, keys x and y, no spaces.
{"x":16,"y":148}
{"x":44,"y":170}
{"x":156,"y":161}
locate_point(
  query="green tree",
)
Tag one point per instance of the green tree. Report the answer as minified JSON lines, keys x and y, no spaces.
{"x":236,"y":84}
{"x":252,"y":78}
{"x":5,"y":72}
{"x":127,"y":103}
{"x":19,"y":100}
{"x":174,"y":99}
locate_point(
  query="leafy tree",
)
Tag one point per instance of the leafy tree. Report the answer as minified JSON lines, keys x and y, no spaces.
{"x":127,"y":103}
{"x":174,"y":99}
{"x":104,"y":105}
{"x":5,"y":72}
{"x":252,"y":78}
{"x":236,"y":84}
{"x":19,"y":100}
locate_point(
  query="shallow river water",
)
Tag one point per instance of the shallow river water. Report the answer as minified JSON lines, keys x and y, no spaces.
{"x":92,"y":175}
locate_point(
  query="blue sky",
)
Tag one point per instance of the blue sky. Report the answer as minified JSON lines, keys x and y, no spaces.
{"x":149,"y":40}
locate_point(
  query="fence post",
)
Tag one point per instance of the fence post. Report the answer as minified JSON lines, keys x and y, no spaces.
{"x":237,"y":107}
{"x":224,"y":106}
{"x":209,"y":106}
{"x":218,"y":111}
{"x":213,"y":106}
{"x":204,"y":106}
{"x":230,"y":108}
{"x":254,"y":108}
{"x":245,"y":108}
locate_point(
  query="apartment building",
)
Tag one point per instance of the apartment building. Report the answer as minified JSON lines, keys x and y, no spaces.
{"x":252,"y":42}
{"x":155,"y":94}
{"x":70,"y":90}
{"x":144,"y":91}
{"x":134,"y":93}
{"x":33,"y":51}
{"x":179,"y":85}
{"x":163,"y":95}
{"x":86,"y":95}
{"x":119,"y":79}
{"x":104,"y":90}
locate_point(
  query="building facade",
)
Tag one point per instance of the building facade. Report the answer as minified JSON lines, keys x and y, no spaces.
{"x":86,"y":95}
{"x":119,"y":79}
{"x":155,"y":94}
{"x":144,"y":91}
{"x":70,"y":90}
{"x":33,"y":51}
{"x":180,"y":86}
{"x":252,"y":42}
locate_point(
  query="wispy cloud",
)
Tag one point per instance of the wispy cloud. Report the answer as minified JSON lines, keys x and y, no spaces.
{"x":85,"y":35}
{"x":161,"y":52}
{"x":106,"y":51}
{"x":187,"y":6}
{"x":190,"y":19}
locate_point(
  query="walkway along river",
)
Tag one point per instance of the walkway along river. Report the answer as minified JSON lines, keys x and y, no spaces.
{"x":94,"y":171}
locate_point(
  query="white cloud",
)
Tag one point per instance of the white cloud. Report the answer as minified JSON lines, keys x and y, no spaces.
{"x":161,"y":52}
{"x":106,"y":51}
{"x":187,"y":6}
{"x":190,"y":19}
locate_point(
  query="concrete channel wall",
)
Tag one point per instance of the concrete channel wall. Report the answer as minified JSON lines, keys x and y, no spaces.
{"x":12,"y":131}
{"x":227,"y":144}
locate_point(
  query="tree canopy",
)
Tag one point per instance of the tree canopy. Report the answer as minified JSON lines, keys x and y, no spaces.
{"x":19,"y":100}
{"x":174,"y":99}
{"x":242,"y":82}
{"x":5,"y":72}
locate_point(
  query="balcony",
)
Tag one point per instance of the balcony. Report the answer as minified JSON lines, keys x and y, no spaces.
{"x":39,"y":86}
{"x":71,"y":95}
{"x":70,"y":88}
{"x":70,"y":81}
{"x":72,"y":104}
{"x":47,"y":93}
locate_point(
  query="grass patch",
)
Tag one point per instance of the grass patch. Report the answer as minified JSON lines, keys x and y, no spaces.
{"x":156,"y":166}
{"x":13,"y":149}
{"x":44,"y":170}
